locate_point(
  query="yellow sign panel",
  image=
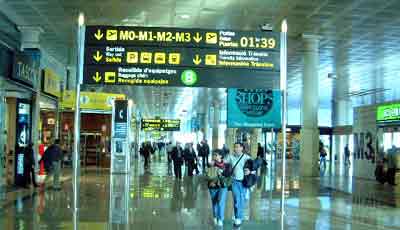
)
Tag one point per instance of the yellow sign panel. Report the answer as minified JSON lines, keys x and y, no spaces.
{"x":90,"y":100}
{"x":145,"y":57}
{"x":211,"y":38}
{"x":159,"y":58}
{"x":211,"y":59}
{"x":132,"y":57}
{"x":174,"y":58}
{"x":51,"y":84}
{"x":112,"y":35}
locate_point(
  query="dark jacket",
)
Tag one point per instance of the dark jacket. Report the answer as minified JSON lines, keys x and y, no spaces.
{"x":177,"y":155}
{"x":52,"y":153}
{"x":29,"y":160}
{"x":204,"y":150}
{"x":189,"y":155}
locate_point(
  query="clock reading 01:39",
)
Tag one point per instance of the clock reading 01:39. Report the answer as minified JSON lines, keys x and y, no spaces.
{"x":250,"y":42}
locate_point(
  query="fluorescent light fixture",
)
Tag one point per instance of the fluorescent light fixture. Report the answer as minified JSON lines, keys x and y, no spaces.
{"x":185,"y":16}
{"x":81,"y":19}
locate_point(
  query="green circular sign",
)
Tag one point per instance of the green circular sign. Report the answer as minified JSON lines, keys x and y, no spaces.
{"x":189,"y":77}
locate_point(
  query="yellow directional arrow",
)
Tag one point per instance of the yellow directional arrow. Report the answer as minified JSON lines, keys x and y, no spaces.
{"x":197,"y":38}
{"x":197,"y":60}
{"x":99,"y":35}
{"x":97,"y":78}
{"x":98,"y":56}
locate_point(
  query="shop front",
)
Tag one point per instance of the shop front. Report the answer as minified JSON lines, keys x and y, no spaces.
{"x":49,"y":100}
{"x":376,"y":129}
{"x":18,"y":89}
{"x":95,"y":135}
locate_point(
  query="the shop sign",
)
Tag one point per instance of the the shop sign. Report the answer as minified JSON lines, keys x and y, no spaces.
{"x":26,"y":68}
{"x":51,"y":83}
{"x":388,"y":113}
{"x":91,"y":100}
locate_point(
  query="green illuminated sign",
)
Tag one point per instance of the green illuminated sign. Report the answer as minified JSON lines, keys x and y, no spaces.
{"x":388,"y":113}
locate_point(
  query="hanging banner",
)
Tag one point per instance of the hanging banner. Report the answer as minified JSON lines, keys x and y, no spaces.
{"x":254,"y":108}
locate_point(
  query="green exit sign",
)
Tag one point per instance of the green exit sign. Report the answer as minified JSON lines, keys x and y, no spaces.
{"x":388,"y":113}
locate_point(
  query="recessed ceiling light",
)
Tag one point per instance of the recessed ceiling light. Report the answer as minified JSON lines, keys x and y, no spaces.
{"x":185,"y":16}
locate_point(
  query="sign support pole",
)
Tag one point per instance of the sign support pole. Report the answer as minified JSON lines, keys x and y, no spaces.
{"x":283,"y":86}
{"x":76,"y":155}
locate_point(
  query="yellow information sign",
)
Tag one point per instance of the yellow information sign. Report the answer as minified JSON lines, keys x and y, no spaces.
{"x":109,"y":77}
{"x":90,"y":100}
{"x":211,"y":38}
{"x":132,"y":57}
{"x":112,"y":35}
{"x":174,"y":58}
{"x":211,"y":59}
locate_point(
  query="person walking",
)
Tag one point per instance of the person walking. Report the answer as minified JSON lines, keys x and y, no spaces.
{"x":190,"y":158}
{"x":52,"y":162}
{"x":238,"y":160}
{"x":145,"y":151}
{"x":29,"y":166}
{"x":346,"y":155}
{"x":169,"y":148}
{"x":322,"y":157}
{"x":217,"y":187}
{"x":224,"y":150}
{"x":204,"y":152}
{"x":392,"y":165}
{"x":177,"y":158}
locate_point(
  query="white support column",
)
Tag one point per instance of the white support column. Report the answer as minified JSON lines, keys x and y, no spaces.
{"x":309,"y":132}
{"x":341,"y":111}
{"x":30,"y":39}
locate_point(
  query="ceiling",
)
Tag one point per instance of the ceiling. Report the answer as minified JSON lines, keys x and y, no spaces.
{"x":359,"y":44}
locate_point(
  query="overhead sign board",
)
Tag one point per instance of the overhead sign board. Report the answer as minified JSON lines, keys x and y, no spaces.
{"x":160,"y":124}
{"x":255,"y":108}
{"x":180,"y":57}
{"x":388,"y":113}
{"x":181,"y":37}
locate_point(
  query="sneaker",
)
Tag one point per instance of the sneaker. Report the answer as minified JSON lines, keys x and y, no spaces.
{"x":220,"y":223}
{"x":237,"y":222}
{"x":215,"y":221}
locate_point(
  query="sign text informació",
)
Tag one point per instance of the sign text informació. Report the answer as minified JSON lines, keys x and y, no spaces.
{"x":175,"y":56}
{"x":388,"y":113}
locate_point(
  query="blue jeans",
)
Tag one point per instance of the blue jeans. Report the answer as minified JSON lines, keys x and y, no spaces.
{"x":239,"y":193}
{"x":218,"y":199}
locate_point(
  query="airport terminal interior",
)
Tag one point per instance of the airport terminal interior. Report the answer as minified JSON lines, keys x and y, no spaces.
{"x":199,"y":114}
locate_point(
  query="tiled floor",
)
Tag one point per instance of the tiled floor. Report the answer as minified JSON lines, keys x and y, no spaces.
{"x":154,"y":200}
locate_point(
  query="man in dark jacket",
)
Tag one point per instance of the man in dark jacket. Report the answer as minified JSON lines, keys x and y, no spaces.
{"x":190,"y":158}
{"x":52,"y":162}
{"x":177,"y":157}
{"x":204,"y":153}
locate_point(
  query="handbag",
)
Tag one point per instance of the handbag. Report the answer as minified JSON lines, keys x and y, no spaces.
{"x":229,"y":173}
{"x":249,"y":180}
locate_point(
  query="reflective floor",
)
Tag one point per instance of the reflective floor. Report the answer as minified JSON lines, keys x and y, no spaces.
{"x":155,"y":200}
